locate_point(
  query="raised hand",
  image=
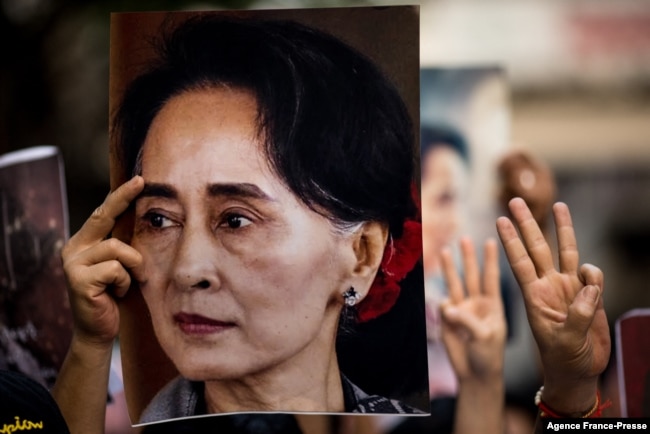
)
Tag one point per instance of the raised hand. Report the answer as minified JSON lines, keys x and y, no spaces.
{"x":96,"y":267}
{"x":474,"y":326}
{"x":96,"y":270}
{"x":564,"y":307}
{"x":474,"y":332}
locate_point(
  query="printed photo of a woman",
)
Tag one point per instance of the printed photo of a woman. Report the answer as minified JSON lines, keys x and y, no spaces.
{"x":269,"y":169}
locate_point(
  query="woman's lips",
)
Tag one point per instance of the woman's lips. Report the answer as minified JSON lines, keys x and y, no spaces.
{"x":193,"y":324}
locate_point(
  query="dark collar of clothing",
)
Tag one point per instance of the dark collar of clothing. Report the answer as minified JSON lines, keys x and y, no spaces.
{"x":357,"y":401}
{"x":184,"y":398}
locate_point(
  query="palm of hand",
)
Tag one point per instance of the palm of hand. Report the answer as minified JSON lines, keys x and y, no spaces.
{"x":479,"y":353}
{"x":474,"y":327}
{"x":96,"y":268}
{"x":560,"y":342}
{"x":564,"y":304}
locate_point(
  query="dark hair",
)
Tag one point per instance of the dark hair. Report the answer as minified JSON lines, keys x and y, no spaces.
{"x":432,"y":137}
{"x":336,"y":130}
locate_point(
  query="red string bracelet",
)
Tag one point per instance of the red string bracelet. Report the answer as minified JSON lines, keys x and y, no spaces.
{"x":546,"y":411}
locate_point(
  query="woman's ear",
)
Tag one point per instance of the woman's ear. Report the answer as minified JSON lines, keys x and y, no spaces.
{"x":369,"y":245}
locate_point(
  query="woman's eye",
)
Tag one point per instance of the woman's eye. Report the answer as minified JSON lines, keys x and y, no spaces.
{"x":236,"y":221}
{"x":446,"y":198}
{"x":158,"y":221}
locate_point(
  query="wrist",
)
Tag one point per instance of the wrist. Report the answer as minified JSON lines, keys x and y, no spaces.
{"x":483,"y":399}
{"x":89,"y":351}
{"x":571,"y":399}
{"x":492,"y":386}
{"x":485,"y":375}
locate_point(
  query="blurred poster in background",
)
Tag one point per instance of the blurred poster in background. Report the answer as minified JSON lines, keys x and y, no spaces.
{"x":35,"y":318}
{"x":465,"y":123}
{"x":633,"y":362}
{"x":472,"y":102}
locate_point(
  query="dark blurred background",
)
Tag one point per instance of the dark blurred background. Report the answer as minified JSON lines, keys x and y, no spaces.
{"x":54,"y":84}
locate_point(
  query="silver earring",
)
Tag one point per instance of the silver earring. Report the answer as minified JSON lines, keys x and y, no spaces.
{"x":351,"y":297}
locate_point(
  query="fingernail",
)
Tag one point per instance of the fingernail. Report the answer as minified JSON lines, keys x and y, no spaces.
{"x":592,"y":292}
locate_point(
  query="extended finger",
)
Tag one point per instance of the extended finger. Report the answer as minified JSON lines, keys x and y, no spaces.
{"x":521,"y":264}
{"x":470,"y":263}
{"x":491,"y":275}
{"x":536,"y":245}
{"x":102,"y":220}
{"x":454,"y":284}
{"x":111,"y":249}
{"x":566,"y":239}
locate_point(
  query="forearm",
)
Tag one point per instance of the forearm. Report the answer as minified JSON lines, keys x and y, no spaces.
{"x":480,"y":406}
{"x":82,"y":385}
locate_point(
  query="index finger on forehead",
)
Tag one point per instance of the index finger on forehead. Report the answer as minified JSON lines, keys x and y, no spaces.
{"x":101,"y":221}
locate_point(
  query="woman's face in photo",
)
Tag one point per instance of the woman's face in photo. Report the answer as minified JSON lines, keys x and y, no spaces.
{"x":443,"y":186}
{"x":239,"y":276}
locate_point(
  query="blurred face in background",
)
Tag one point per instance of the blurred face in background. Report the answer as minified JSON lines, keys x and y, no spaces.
{"x":444,"y":180}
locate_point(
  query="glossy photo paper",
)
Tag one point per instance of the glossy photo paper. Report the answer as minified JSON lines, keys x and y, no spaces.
{"x":245,"y":244}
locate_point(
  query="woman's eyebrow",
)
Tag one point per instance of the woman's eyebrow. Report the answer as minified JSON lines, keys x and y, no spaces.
{"x":158,"y":190}
{"x":244,"y":190}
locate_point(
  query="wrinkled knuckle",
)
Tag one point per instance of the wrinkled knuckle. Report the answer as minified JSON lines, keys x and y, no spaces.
{"x":583,"y":311}
{"x":113,"y":243}
{"x":115,"y":268}
{"x":67,"y":268}
{"x":66,"y":252}
{"x":123,"y":285}
{"x":99,"y":213}
{"x":582,"y":315}
{"x":70,"y":268}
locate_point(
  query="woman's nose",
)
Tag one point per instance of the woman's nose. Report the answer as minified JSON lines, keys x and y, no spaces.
{"x":195,"y":265}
